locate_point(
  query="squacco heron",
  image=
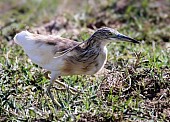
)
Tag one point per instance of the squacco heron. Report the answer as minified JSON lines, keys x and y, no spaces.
{"x":64,"y":57}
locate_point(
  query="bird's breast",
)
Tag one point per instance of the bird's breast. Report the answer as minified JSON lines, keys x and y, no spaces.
{"x":74,"y":65}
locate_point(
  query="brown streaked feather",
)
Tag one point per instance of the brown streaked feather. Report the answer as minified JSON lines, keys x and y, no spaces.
{"x":78,"y":64}
{"x":60,"y":44}
{"x":69,"y":68}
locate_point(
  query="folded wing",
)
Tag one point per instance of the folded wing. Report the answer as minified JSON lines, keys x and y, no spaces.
{"x":44,"y":43}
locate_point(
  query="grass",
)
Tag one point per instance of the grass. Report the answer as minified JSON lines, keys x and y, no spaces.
{"x":135,"y":86}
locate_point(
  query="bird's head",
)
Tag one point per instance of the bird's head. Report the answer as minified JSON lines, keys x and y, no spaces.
{"x":106,"y":35}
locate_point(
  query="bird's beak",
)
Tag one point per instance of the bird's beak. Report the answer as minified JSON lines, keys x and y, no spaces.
{"x":126,"y":38}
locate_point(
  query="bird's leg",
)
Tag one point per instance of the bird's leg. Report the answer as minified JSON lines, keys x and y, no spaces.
{"x":66,"y":86}
{"x":53,"y":78}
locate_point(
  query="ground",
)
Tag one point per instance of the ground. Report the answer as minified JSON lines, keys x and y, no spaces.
{"x":135,"y":85}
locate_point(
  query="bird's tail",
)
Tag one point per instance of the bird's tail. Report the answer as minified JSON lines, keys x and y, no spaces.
{"x":21,"y":37}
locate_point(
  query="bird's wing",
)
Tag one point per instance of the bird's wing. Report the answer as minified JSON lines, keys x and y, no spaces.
{"x":57,"y":44}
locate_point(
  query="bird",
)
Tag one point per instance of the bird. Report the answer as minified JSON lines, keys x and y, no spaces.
{"x":64,"y":57}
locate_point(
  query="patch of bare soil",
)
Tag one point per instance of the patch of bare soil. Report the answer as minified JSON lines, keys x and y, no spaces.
{"x":5,"y":7}
{"x":87,"y":117}
{"x":153,"y":89}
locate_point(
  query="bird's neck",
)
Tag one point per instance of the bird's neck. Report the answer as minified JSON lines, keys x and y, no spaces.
{"x":96,"y":43}
{"x":93,"y":43}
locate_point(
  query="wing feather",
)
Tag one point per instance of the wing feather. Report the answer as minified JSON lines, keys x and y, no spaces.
{"x":58,"y":44}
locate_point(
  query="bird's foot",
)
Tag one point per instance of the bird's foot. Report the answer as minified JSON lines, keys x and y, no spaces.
{"x":66,"y":87}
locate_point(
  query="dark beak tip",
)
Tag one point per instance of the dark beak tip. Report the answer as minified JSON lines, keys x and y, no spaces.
{"x":121,"y":36}
{"x":137,"y":42}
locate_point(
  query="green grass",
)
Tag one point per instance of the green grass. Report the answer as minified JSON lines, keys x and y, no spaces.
{"x":135,"y":88}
